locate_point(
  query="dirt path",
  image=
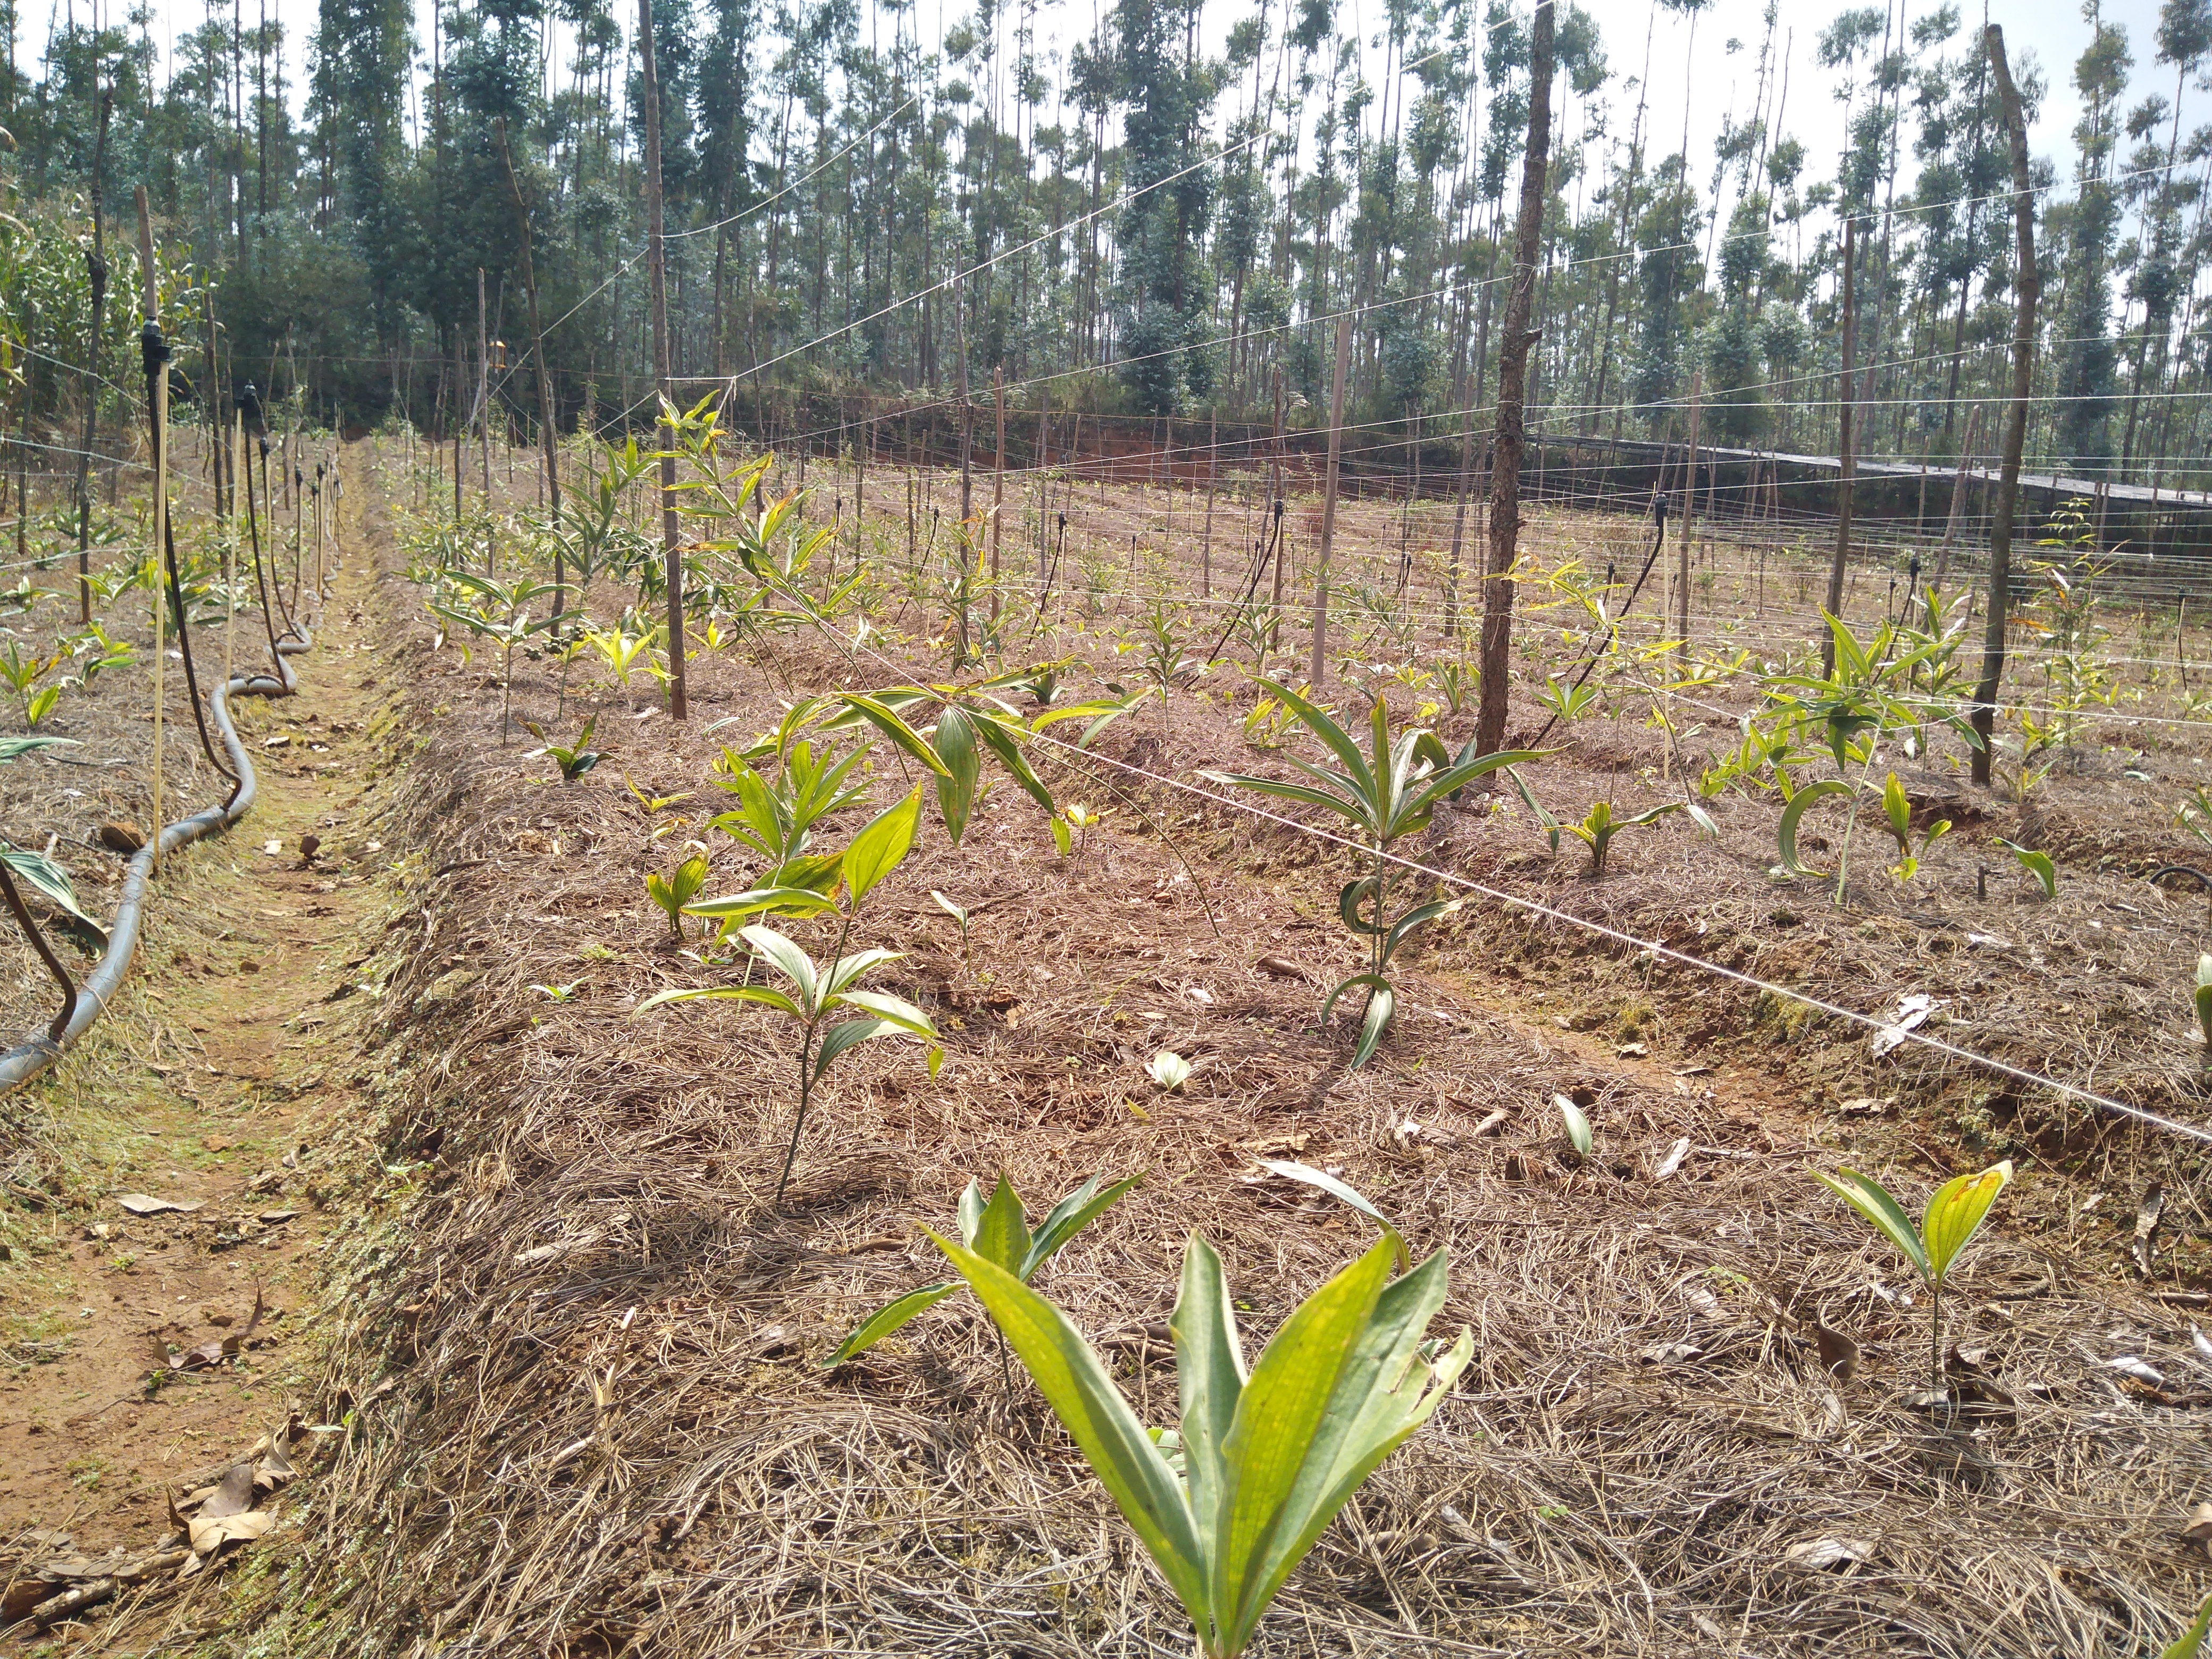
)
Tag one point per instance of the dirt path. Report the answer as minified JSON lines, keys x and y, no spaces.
{"x":207,"y":1086}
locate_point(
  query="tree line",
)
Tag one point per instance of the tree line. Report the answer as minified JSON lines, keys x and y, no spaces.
{"x":1140,"y":223}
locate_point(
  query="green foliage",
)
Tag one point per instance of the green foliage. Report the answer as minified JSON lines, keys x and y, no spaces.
{"x":1389,"y":792}
{"x":2037,"y":864}
{"x":818,"y":991}
{"x":673,"y":892}
{"x":1230,"y":1502}
{"x":1598,"y":825}
{"x":1954,"y":1215}
{"x":51,"y":883}
{"x":997,"y":1232}
{"x":574,"y":761}
{"x":2203,"y":1000}
{"x":488,"y":608}
{"x":1897,"y":815}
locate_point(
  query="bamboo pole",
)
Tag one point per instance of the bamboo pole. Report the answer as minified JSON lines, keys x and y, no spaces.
{"x":230,"y":542}
{"x":1835,"y":606}
{"x":154,"y":352}
{"x":998,"y":480}
{"x":1329,"y":499}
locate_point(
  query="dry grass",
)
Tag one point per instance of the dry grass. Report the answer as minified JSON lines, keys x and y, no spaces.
{"x":588,"y":1413}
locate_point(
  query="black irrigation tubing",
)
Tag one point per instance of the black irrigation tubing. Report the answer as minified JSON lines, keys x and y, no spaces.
{"x":155,"y":352}
{"x":35,"y":1055}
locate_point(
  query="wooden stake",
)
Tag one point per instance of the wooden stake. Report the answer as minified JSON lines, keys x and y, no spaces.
{"x":1329,"y":499}
{"x":998,"y":480}
{"x":157,"y":370}
{"x":230,"y":545}
{"x":1843,"y":450}
{"x":1212,"y":475}
{"x":1689,"y":515}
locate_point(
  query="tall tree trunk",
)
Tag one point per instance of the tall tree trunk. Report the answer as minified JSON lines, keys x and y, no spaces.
{"x":2027,"y":286}
{"x":656,"y":225}
{"x":1328,"y":496}
{"x":1512,"y":385}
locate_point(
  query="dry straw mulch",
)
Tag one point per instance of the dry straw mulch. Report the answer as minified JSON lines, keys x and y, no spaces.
{"x":588,"y":1415}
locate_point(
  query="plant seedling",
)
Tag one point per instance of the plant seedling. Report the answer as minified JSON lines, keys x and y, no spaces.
{"x":51,"y":883}
{"x":2204,"y":1001}
{"x":575,"y":761}
{"x":817,"y":991}
{"x":959,"y":914}
{"x":999,"y":1231}
{"x":558,"y":993}
{"x":1598,"y":829}
{"x":1897,"y":814}
{"x":673,"y":892}
{"x":1577,"y":1123}
{"x":2037,"y":864}
{"x":1389,"y":792}
{"x":1954,"y":1215}
{"x":1169,"y":1070}
{"x":1567,"y":703}
{"x":1228,"y":1503}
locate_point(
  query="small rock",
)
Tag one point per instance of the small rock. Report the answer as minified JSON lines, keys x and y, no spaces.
{"x":123,"y":838}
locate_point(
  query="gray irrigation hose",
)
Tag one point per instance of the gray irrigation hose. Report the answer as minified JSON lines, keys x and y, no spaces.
{"x":35,"y":1055}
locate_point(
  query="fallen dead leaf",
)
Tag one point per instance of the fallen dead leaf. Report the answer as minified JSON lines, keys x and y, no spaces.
{"x":233,"y":1494}
{"x":2199,"y":1530}
{"x":1839,"y":1355}
{"x":147,"y":1204}
{"x":1816,"y":1553}
{"x":1673,"y":1161}
{"x":209,"y":1535}
{"x":2147,"y":1219}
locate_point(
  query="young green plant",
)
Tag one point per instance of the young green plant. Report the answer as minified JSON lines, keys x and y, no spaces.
{"x":818,"y":991}
{"x":997,"y":1232}
{"x":1954,"y":1215}
{"x":1228,"y":1503}
{"x":1390,"y":793}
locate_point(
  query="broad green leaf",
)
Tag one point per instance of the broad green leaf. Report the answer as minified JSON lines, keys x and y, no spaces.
{"x":766,"y":995}
{"x":50,"y":881}
{"x":1380,"y":1007}
{"x":897,"y":1010}
{"x":1551,"y":825}
{"x":1082,"y":1396}
{"x":885,"y":1320}
{"x":12,"y":748}
{"x":1068,"y":1217}
{"x":2037,"y":864}
{"x":1378,"y":1401}
{"x":1338,"y":739}
{"x":1871,"y":1199}
{"x":893,"y":725}
{"x":793,"y":963}
{"x":1785,"y":833}
{"x":995,"y":735}
{"x":971,"y":1212}
{"x":788,"y":901}
{"x":955,"y":741}
{"x":1002,"y":1235}
{"x":1279,"y":1415}
{"x":1345,"y":1191}
{"x":845,"y":1035}
{"x":843,"y":971}
{"x":2191,"y":1641}
{"x":882,"y":845}
{"x":1577,"y":1123}
{"x":1209,"y":1380}
{"x":1956,"y":1214}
